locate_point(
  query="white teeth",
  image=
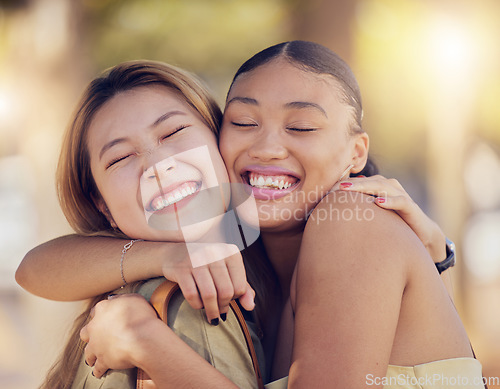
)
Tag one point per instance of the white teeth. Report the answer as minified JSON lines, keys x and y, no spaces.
{"x":157,"y":203}
{"x":184,"y":191}
{"x":268,"y":182}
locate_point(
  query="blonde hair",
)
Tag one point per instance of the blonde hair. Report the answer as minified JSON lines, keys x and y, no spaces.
{"x":76,"y":188}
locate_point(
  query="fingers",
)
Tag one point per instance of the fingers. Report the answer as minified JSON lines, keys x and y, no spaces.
{"x":242,"y":288}
{"x":397,"y":203}
{"x":208,"y":292}
{"x":214,"y":284}
{"x":376,"y":185}
{"x":189,"y":290}
{"x":389,"y":194}
{"x":223,"y":285}
{"x":84,"y":334}
{"x":99,"y":369}
{"x":248,"y":298}
{"x":90,"y":357}
{"x":236,"y":270}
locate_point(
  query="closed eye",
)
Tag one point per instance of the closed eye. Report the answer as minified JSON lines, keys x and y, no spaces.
{"x":238,"y":124}
{"x":301,"y":129}
{"x":180,"y":128}
{"x":116,"y":160}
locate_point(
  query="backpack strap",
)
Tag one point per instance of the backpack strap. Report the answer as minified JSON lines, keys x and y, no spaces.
{"x":160,"y":300}
{"x":248,"y":338}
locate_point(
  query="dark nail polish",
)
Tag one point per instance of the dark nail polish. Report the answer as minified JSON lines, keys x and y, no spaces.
{"x":86,"y":362}
{"x":223,"y":316}
{"x":92,"y":372}
{"x":215,"y":322}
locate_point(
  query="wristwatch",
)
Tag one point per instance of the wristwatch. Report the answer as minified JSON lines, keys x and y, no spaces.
{"x":450,"y":257}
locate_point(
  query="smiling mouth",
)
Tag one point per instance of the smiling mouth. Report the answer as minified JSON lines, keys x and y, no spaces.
{"x":181,"y":192}
{"x":275,"y":182}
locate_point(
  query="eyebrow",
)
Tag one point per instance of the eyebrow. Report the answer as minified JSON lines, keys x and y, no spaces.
{"x":305,"y":105}
{"x":291,"y":105}
{"x":166,"y":116}
{"x":244,"y":100}
{"x":109,"y":145}
{"x":156,"y":123}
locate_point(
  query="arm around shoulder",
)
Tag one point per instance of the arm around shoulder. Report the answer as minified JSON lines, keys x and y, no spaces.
{"x":75,"y":267}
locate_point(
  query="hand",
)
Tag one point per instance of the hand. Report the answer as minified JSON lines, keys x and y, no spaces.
{"x":391,"y":195}
{"x":218,"y":278}
{"x":117,"y":327}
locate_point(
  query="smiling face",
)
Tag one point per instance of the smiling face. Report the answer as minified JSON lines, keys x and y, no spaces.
{"x":151,"y":154}
{"x":285,"y":135}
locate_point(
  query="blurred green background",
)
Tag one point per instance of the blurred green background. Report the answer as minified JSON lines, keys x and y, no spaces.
{"x":429,"y":72}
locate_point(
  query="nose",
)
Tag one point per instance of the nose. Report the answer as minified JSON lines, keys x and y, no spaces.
{"x":268,"y":145}
{"x":160,"y":169}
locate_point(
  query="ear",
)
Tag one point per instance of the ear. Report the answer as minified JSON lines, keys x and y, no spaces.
{"x":102,"y":207}
{"x":360,"y":152}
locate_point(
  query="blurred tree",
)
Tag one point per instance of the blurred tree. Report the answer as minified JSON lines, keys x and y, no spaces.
{"x":209,"y":38}
{"x":329,"y":22}
{"x":13,"y":4}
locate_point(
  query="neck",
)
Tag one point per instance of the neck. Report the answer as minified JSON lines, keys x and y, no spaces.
{"x":282,"y":250}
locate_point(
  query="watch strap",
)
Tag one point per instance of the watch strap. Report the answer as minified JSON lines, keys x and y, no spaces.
{"x":450,"y":257}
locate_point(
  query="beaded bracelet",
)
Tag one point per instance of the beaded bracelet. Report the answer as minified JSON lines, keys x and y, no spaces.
{"x":126,"y":247}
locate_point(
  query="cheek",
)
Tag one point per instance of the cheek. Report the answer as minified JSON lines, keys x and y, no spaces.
{"x":226,"y":151}
{"x":327,"y":163}
{"x":117,"y":191}
{"x":218,"y":164}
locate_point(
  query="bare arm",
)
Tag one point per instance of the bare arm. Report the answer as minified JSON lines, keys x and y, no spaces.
{"x":185,"y":368}
{"x":75,"y":267}
{"x":391,"y":195}
{"x":342,"y":330}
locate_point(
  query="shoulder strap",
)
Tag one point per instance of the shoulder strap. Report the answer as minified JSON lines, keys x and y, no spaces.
{"x":248,"y":338}
{"x":160,"y":300}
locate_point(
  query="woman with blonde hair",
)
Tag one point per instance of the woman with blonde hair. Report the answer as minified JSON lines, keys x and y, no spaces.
{"x":133,"y":125}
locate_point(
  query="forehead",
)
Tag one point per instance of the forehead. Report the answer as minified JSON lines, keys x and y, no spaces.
{"x":285,"y":80}
{"x":136,"y":107}
{"x":131,"y":112}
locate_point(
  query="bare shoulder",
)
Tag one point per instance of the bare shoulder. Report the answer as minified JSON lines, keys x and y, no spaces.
{"x":353,"y":212}
{"x":350,"y":223}
{"x":346,"y":207}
